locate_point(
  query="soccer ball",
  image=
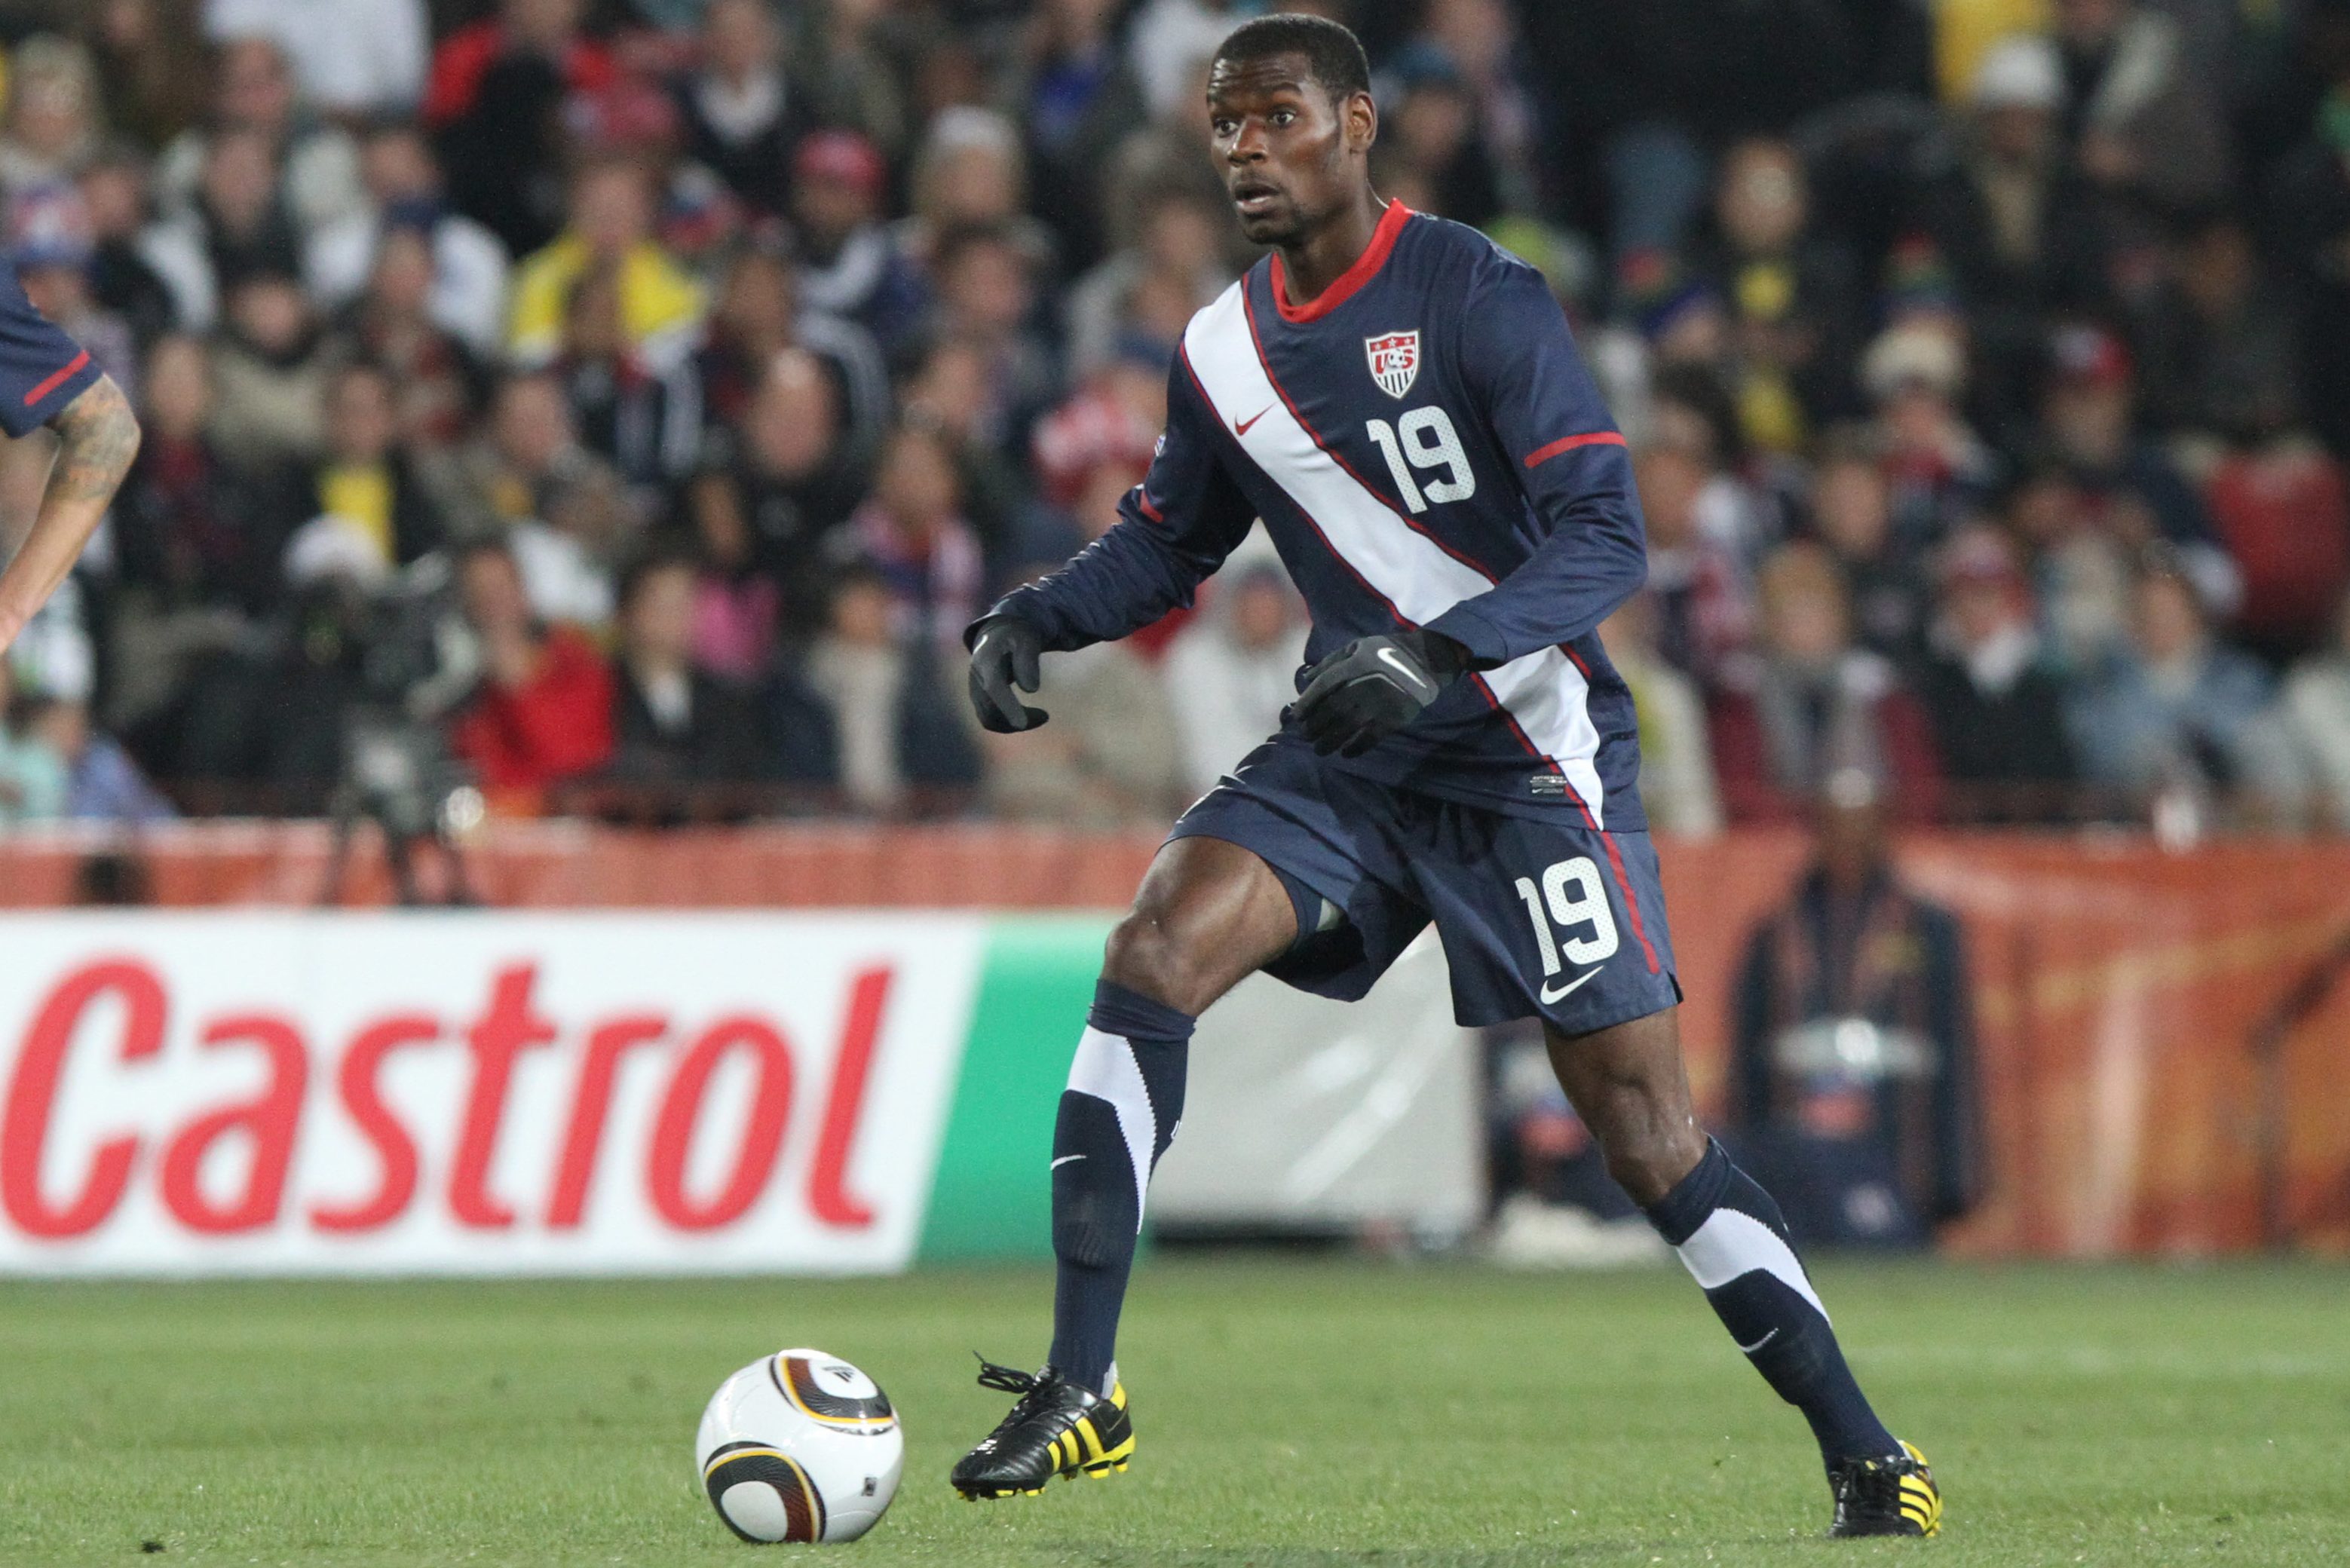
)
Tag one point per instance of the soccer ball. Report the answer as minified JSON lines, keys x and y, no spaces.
{"x":799,"y":1446}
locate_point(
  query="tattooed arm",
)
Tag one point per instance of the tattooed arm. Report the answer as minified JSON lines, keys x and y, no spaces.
{"x":97,"y":435}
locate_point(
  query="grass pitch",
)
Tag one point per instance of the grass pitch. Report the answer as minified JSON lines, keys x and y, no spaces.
{"x":1290,"y":1415}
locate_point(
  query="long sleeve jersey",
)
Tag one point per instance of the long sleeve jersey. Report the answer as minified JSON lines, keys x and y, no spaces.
{"x":1427,"y":448}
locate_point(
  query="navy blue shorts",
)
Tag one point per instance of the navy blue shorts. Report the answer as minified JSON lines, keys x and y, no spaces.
{"x":1545,"y":917}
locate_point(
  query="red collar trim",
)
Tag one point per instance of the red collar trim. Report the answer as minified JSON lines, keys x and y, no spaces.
{"x":1366,"y":267}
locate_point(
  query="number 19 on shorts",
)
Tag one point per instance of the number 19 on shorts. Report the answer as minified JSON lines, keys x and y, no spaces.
{"x":1572,"y":897}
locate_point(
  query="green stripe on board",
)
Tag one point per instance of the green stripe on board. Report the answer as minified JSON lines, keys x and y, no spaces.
{"x":992,"y":1197}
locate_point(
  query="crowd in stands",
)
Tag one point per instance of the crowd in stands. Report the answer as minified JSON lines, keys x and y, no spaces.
{"x":641,"y":395}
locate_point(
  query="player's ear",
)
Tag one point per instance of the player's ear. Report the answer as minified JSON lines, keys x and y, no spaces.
{"x":1360,"y":115}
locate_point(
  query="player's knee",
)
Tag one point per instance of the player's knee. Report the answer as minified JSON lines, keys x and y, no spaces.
{"x":1149,"y":953}
{"x":1648,"y":1155}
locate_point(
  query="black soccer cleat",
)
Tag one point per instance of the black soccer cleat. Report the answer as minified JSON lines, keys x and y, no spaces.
{"x":1886,"y":1497}
{"x":1055,"y":1429}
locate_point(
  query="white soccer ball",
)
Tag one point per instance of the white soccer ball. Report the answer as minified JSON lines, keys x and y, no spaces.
{"x":799,"y":1446}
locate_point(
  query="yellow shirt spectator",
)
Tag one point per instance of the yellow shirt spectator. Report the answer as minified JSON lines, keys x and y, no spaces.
{"x":1964,"y":31}
{"x":660,"y":305}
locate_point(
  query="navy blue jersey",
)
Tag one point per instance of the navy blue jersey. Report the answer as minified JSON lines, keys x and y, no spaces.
{"x":41,"y":368}
{"x":1427,"y":448}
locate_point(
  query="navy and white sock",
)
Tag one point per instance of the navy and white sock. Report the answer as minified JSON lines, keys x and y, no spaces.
{"x":1733,"y":1240}
{"x":1117,"y":1116}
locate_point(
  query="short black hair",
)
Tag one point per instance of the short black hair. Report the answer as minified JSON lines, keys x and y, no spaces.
{"x":1332,"y":51}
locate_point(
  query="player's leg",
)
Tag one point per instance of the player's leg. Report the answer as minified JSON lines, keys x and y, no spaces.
{"x":1208,"y":913}
{"x":1627,"y":1082}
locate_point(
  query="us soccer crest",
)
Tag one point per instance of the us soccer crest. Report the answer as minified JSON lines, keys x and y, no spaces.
{"x":1394,"y":361}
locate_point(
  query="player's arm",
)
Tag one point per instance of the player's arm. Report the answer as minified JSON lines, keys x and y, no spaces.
{"x":1545,"y":411}
{"x":98,"y":436}
{"x":47,"y":380}
{"x":1173,"y":530}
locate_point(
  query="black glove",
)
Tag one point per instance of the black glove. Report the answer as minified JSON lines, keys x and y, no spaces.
{"x":1004,"y":653}
{"x":1373,"y":687}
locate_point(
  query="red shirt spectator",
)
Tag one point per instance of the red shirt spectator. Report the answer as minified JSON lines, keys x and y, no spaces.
{"x":544,"y":712}
{"x":465,"y":56}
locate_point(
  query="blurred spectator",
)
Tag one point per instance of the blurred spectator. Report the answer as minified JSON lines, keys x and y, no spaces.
{"x":494,"y":103}
{"x":114,"y":195}
{"x":1430,"y":132}
{"x":2303,"y":760}
{"x":1853,"y":1079}
{"x":352,"y":58}
{"x":1677,"y":784}
{"x":2127,"y":479}
{"x":236,"y":228}
{"x":1113,"y":420}
{"x":971,"y":176}
{"x":1998,"y":711}
{"x":195,"y":557}
{"x":54,"y":125}
{"x":1704,"y":602}
{"x":1479,"y":38}
{"x":467,"y":292}
{"x":611,"y":218}
{"x":849,"y":267}
{"x":2004,"y":211}
{"x":544,"y":713}
{"x":32,"y":773}
{"x":1939,"y":469}
{"x":1168,"y":42}
{"x":366,"y":476}
{"x":1793,"y":296}
{"x":141,"y":49}
{"x":1852,"y":514}
{"x":951,"y":395}
{"x":2174,"y":711}
{"x":270,"y":370}
{"x":791,"y":481}
{"x":1809,"y":705}
{"x":2221,"y":353}
{"x":673,"y":721}
{"x":736,"y":606}
{"x":1110,"y":758}
{"x":1076,"y":96}
{"x":1232,"y":671}
{"x":759,"y":316}
{"x":645,"y":422}
{"x":853,"y":55}
{"x":316,"y":164}
{"x":743,"y":113}
{"x":436,"y":382}
{"x":912,"y":533}
{"x":1174,"y":241}
{"x":2149,"y":115}
{"x":101,"y":781}
{"x":897,"y":719}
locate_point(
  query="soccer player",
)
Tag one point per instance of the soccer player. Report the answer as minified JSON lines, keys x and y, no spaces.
{"x":48,"y":379}
{"x":1402,"y":404}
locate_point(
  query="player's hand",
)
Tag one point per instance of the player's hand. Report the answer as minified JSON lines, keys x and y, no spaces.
{"x":1373,"y":687}
{"x":1005,"y":653}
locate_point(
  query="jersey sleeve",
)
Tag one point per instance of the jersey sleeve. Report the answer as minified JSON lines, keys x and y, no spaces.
{"x":1173,"y":530}
{"x":1538,"y":400}
{"x":41,"y":368}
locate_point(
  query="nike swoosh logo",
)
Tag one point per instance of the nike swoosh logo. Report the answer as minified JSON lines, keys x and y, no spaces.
{"x":1245,"y":425}
{"x":1751,"y":1349}
{"x":1549,"y":996}
{"x":1388,"y":657}
{"x":1064,"y":1161}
